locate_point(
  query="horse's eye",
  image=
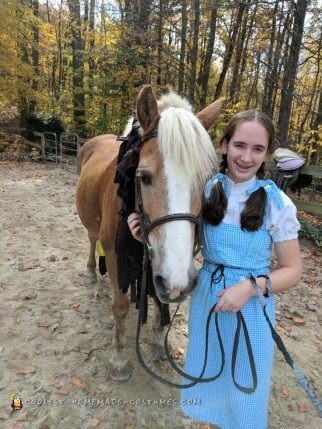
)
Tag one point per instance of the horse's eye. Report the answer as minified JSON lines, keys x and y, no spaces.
{"x":146,"y":179}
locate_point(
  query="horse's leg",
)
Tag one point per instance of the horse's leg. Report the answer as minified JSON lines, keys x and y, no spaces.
{"x":120,"y":367}
{"x":159,"y":333}
{"x":90,"y":275}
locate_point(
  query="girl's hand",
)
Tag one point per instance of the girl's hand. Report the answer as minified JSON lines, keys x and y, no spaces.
{"x":235,"y":297}
{"x":134,"y":224}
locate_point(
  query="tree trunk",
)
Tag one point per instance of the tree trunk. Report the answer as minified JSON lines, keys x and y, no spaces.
{"x":208,"y":56}
{"x":239,"y":50}
{"x":245,"y":53}
{"x":194,"y":52}
{"x":91,"y":36}
{"x":317,"y":124}
{"x":266,"y":103}
{"x":230,"y":48}
{"x":290,"y":72}
{"x":183,"y":47}
{"x":78,"y":66}
{"x":35,"y":56}
{"x":159,"y":43}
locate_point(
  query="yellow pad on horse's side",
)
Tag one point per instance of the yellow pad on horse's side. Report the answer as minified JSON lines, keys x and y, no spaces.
{"x":99,"y":248}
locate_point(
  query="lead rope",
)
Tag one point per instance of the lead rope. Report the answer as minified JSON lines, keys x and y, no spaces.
{"x":301,"y":377}
{"x":200,"y":379}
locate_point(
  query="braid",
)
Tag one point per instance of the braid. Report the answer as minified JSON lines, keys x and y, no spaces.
{"x":261,"y":172}
{"x":224,"y":164}
{"x":252,"y":217}
{"x":215,"y":206}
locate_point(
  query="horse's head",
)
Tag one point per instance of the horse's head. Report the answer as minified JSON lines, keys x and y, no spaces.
{"x":173,"y":169}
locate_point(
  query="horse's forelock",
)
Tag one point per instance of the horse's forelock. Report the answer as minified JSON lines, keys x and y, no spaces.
{"x":171,"y":99}
{"x":184,"y":141}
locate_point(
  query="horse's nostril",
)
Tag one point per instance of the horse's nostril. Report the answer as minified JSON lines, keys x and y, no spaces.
{"x":160,"y":283}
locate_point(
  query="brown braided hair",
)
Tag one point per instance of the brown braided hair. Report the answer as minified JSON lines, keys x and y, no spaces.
{"x":215,"y":206}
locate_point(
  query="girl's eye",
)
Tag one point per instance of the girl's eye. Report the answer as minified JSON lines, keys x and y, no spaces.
{"x":146,"y":179}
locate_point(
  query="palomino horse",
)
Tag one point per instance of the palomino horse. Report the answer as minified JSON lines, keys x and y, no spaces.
{"x":173,"y":168}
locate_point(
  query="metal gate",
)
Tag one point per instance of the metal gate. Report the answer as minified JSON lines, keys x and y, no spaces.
{"x":62,"y":150}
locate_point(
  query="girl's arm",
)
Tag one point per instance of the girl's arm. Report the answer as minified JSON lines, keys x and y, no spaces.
{"x":284,"y":277}
{"x":289,"y":263}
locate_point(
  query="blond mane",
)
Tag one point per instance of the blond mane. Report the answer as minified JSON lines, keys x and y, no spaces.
{"x":183,"y":140}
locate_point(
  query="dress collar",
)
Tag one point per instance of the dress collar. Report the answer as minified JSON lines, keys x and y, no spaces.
{"x":242,"y":185}
{"x":229,"y":184}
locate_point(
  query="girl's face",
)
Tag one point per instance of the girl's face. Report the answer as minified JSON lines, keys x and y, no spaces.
{"x":246,"y":150}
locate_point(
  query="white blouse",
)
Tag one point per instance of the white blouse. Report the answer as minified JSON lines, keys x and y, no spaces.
{"x":281,"y":223}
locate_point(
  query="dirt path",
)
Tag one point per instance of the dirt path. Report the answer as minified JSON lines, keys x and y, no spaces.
{"x":56,"y":334}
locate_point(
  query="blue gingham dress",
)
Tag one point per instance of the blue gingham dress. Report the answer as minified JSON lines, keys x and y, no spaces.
{"x":241,"y":252}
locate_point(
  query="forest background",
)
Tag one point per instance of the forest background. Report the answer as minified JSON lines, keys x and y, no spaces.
{"x":84,"y":61}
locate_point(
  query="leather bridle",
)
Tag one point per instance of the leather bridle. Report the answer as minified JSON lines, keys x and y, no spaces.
{"x":147,"y":225}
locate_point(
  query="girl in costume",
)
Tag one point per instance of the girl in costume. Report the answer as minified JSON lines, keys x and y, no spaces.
{"x":243,"y":217}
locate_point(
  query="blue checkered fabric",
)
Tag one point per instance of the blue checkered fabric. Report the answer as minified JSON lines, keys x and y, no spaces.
{"x":241,"y":252}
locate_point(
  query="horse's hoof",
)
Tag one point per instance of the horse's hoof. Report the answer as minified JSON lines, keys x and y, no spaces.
{"x":158,"y":351}
{"x":120,"y":373}
{"x":90,"y":279}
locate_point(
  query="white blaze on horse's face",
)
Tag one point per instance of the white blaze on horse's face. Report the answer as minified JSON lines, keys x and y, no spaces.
{"x":174,"y":168}
{"x":179,"y":236}
{"x":164,"y":192}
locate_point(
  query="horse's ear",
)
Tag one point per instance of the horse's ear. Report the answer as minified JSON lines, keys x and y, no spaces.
{"x":147,"y":109}
{"x":208,"y":115}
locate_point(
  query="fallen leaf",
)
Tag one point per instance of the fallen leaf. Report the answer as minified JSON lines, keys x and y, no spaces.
{"x":63,"y":392}
{"x":93,"y":423}
{"x":25,"y":371}
{"x":298,"y":321}
{"x":43,"y":325}
{"x":284,"y":393}
{"x":288,"y":328}
{"x":54,"y":327}
{"x":75,"y":306}
{"x":178,"y":352}
{"x":77,"y":382}
{"x":302,"y":407}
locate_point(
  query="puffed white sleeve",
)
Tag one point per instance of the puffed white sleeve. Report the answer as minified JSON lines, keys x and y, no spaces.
{"x":282,"y":223}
